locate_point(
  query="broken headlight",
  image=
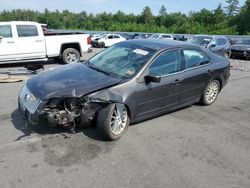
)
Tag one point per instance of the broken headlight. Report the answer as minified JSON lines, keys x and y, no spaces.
{"x":53,"y":103}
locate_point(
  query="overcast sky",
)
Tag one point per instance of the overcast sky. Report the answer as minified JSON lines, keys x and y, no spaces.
{"x":127,"y":6}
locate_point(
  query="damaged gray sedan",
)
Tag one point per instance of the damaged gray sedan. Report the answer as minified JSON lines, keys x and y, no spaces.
{"x":126,"y":83}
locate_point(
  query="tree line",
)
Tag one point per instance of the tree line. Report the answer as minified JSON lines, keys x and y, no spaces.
{"x":231,"y":19}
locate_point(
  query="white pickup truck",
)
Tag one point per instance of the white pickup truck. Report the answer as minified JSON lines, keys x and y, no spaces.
{"x":22,"y":41}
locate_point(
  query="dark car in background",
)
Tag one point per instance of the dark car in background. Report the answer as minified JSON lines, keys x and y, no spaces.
{"x":127,"y":36}
{"x":140,"y":36}
{"x":241,"y":48}
{"x":129,"y":82}
{"x":217,"y":44}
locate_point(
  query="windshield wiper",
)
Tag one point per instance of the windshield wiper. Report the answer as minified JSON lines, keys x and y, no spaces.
{"x":99,"y":70}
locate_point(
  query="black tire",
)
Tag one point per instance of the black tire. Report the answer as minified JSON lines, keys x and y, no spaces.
{"x":71,"y":55}
{"x":226,"y":55}
{"x":104,"y":123}
{"x":204,"y":100}
{"x":102,"y":45}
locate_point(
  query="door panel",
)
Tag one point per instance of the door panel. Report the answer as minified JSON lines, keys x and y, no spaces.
{"x":154,"y":98}
{"x":193,"y":83}
{"x":8,"y":46}
{"x":196,"y":75}
{"x":30,"y":42}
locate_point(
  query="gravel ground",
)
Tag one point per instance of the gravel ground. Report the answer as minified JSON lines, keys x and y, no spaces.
{"x":195,"y":147}
{"x":241,"y":65}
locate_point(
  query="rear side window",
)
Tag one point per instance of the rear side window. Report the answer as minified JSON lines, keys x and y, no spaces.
{"x":195,"y":58}
{"x":166,"y":63}
{"x":27,"y":30}
{"x":116,"y":37}
{"x":5,"y":31}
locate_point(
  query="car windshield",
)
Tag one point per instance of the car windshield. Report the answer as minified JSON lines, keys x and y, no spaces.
{"x":121,"y":60}
{"x":202,"y":41}
{"x":103,"y":35}
{"x":154,"y":36}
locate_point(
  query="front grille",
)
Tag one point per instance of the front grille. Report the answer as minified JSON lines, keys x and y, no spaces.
{"x":28,"y":100}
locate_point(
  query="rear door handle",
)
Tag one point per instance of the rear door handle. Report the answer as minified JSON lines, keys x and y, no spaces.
{"x":10,"y":42}
{"x":38,"y":40}
{"x":177,"y":82}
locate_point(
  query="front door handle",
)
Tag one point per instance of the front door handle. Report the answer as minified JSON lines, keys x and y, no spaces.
{"x":10,"y":42}
{"x":39,"y":40}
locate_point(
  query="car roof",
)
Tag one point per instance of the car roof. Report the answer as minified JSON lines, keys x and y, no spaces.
{"x":21,"y":22}
{"x":211,"y":36}
{"x":157,"y":44}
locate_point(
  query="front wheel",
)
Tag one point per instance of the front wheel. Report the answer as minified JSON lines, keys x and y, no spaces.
{"x":71,"y":55}
{"x":113,"y":121}
{"x":210,"y":93}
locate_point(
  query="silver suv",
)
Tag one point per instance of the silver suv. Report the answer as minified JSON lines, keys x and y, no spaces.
{"x":217,"y":44}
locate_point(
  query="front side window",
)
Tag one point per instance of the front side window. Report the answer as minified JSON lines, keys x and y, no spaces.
{"x":222,"y":42}
{"x":27,"y":30}
{"x":166,"y":63}
{"x":5,"y":31}
{"x":195,"y":58}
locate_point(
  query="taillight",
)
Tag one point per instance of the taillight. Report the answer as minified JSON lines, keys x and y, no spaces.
{"x":89,"y":40}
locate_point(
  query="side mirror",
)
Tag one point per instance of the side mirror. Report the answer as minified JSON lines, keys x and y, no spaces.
{"x":213,"y":45}
{"x":152,"y":78}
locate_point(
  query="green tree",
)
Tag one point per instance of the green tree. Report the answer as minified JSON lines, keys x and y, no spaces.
{"x":163,"y":11}
{"x":232,"y":8}
{"x":243,"y":19}
{"x":147,"y":16}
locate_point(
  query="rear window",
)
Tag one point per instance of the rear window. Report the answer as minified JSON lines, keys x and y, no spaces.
{"x":27,"y":30}
{"x":5,"y":31}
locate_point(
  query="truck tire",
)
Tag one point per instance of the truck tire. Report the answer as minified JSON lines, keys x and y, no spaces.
{"x":71,"y":55}
{"x":102,"y":45}
{"x":110,"y":124}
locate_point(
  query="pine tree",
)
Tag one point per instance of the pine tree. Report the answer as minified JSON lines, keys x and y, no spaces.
{"x":232,"y":8}
{"x":163,"y":11}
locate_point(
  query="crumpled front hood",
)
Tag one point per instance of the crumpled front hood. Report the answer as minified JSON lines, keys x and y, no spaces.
{"x":73,"y":80}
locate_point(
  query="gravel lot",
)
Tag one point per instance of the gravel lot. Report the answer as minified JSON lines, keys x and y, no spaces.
{"x":203,"y":147}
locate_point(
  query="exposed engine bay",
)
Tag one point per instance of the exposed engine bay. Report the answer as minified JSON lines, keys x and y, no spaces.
{"x":77,"y":111}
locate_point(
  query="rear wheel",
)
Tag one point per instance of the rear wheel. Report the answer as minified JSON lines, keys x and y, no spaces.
{"x":102,"y":45}
{"x":71,"y":55}
{"x":112,"y":122}
{"x":211,"y":92}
